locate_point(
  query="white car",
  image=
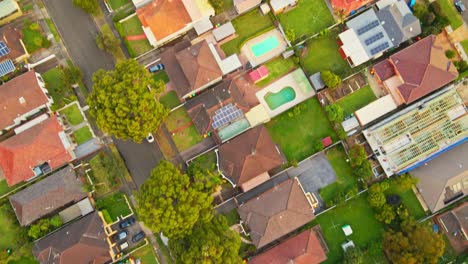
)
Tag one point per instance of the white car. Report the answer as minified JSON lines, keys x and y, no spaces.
{"x":123,"y":246}
{"x":150,"y":138}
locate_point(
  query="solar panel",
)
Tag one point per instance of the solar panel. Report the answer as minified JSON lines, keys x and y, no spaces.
{"x":3,"y":49}
{"x":225,"y":115}
{"x":379,"y":48}
{"x":374,"y":38}
{"x":368,"y":27}
{"x":6,"y":67}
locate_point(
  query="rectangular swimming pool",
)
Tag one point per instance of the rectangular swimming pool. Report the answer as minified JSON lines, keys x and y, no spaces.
{"x":265,"y":46}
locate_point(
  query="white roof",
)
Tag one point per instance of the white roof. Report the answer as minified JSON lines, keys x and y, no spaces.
{"x":223,"y":31}
{"x":375,"y":109}
{"x":202,"y":26}
{"x":280,"y":4}
{"x":228,"y":64}
{"x":383,"y":3}
{"x":350,"y":124}
{"x":352,"y":47}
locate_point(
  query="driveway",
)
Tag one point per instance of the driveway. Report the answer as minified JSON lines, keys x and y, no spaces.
{"x":78,"y":32}
{"x":140,"y":158}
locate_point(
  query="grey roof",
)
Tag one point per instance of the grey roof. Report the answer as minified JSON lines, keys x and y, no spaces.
{"x":456,"y":219}
{"x":317,"y":81}
{"x":46,"y":196}
{"x":224,"y":31}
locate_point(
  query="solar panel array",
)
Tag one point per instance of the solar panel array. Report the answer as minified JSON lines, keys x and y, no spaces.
{"x":6,"y":67}
{"x":379,"y":48}
{"x":225,"y":115}
{"x":374,"y":38}
{"x":368,"y":27}
{"x":3,"y":49}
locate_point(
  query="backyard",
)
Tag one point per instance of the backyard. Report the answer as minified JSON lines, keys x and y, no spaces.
{"x":113,"y":206}
{"x":247,"y":26}
{"x":308,"y":18}
{"x":73,"y":114}
{"x":356,"y":100}
{"x":82,"y":135}
{"x":133,"y":27}
{"x":58,"y":87}
{"x":295,"y":132}
{"x":344,"y":175}
{"x":408,"y":198}
{"x":146,"y":255}
{"x":184,"y":133}
{"x":277,"y":68}
{"x":33,"y":38}
{"x":367,"y":231}
{"x":449,"y":10}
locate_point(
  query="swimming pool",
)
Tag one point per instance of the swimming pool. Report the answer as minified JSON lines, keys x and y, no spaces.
{"x":265,"y":46}
{"x":275,"y":100}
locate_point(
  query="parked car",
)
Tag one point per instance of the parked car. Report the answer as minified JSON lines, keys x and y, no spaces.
{"x":150,"y":138}
{"x":121,"y":236}
{"x":127,"y":222}
{"x":460,"y":6}
{"x":124,"y":245}
{"x":139,"y":236}
{"x":156,"y":68}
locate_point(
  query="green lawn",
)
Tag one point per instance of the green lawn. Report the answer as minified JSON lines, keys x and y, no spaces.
{"x":26,"y":8}
{"x":308,"y":18}
{"x":4,"y":188}
{"x":357,"y":100}
{"x":161,"y":75}
{"x":73,"y":114}
{"x":206,"y":161}
{"x":115,"y":205}
{"x":247,"y":26}
{"x":137,"y":47}
{"x":277,"y":68}
{"x":33,"y":38}
{"x":450,"y":11}
{"x":295,"y":135}
{"x":115,"y":4}
{"x":465,"y":45}
{"x":107,"y":169}
{"x":322,"y":54}
{"x":82,"y":135}
{"x":57,"y":87}
{"x":146,"y":255}
{"x":53,"y":29}
{"x":408,"y":198}
{"x":130,"y":27}
{"x":188,"y":135}
{"x":170,"y":99}
{"x":344,"y":174}
{"x":366,"y":229}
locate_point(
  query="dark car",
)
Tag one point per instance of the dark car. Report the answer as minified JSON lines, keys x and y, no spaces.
{"x":460,"y":6}
{"x":138,"y":237}
{"x":156,"y":68}
{"x":127,"y":222}
{"x":122,"y":235}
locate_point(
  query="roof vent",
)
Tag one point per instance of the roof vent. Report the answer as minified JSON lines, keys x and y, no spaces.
{"x":22,"y":100}
{"x":410,"y":29}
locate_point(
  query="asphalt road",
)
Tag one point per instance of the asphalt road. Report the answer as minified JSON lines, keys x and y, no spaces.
{"x":78,"y":32}
{"x":465,"y":14}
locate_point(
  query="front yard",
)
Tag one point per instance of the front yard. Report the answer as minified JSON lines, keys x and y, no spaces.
{"x":308,"y":18}
{"x":277,"y":68}
{"x":448,"y":8}
{"x":296,"y":133}
{"x":33,"y":38}
{"x":73,"y":115}
{"x":356,"y":100}
{"x":82,"y":135}
{"x":115,"y":4}
{"x":184,"y":133}
{"x":206,"y":161}
{"x":247,"y":26}
{"x":113,"y":206}
{"x":146,"y":255}
{"x":170,"y":99}
{"x":133,"y":27}
{"x":58,"y":88}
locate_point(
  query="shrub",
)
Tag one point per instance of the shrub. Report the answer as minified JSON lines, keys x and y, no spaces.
{"x":376,"y":196}
{"x":386,"y":214}
{"x":358,"y":155}
{"x":450,"y":54}
{"x":428,"y":18}
{"x":218,"y":5}
{"x":363,"y":171}
{"x":38,"y":41}
{"x":341,"y":133}
{"x":330,"y":79}
{"x":290,"y":35}
{"x":34,"y":27}
{"x":335,"y":113}
{"x":406,"y":182}
{"x":89,"y":6}
{"x":461,"y":66}
{"x":353,"y":255}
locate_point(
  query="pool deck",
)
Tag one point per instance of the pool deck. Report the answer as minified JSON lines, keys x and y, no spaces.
{"x":298,"y":81}
{"x":255,"y":61}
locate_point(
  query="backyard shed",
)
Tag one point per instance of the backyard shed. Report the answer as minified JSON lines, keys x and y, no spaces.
{"x":317,"y":82}
{"x":279,"y":6}
{"x":375,"y":110}
{"x":223,"y":31}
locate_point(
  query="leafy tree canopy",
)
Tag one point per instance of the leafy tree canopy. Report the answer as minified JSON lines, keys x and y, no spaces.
{"x":330,"y":79}
{"x":358,"y":155}
{"x":122,"y":103}
{"x":89,"y":6}
{"x":353,"y":256}
{"x":335,"y":113}
{"x":107,"y":41}
{"x":171,"y":203}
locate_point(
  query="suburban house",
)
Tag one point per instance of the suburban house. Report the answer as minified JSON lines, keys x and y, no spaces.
{"x":243,"y":6}
{"x":455,"y":224}
{"x":307,"y":247}
{"x":22,"y":98}
{"x":9,"y":10}
{"x":12,"y":49}
{"x":246,"y":159}
{"x":83,"y":241}
{"x":276,"y":212}
{"x":444,"y":180}
{"x":47,"y":196}
{"x":279,"y":6}
{"x":416,"y":71}
{"x":373,"y":32}
{"x":216,"y":109}
{"x":165,"y":20}
{"x":420,"y":132}
{"x":39,"y":147}
{"x":350,"y":7}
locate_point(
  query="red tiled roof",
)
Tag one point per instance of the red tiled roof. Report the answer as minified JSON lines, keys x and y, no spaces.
{"x":40,"y":143}
{"x":259,"y":73}
{"x":304,"y":248}
{"x":349,"y":5}
{"x":164,"y":17}
{"x":24,"y":86}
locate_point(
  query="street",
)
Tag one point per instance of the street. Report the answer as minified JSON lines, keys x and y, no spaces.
{"x":465,"y":14}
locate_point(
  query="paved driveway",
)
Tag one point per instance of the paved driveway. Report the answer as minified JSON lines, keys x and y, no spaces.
{"x":78,"y":32}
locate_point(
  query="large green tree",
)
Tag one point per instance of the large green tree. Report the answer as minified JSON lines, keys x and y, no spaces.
{"x":209,"y":242}
{"x":89,"y":6}
{"x":172,"y":202}
{"x":335,"y":113}
{"x":330,"y":79}
{"x":107,"y":41}
{"x":122,"y":103}
{"x":414,"y":243}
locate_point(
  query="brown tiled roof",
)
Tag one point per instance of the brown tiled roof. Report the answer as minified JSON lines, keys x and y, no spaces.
{"x":24,"y":86}
{"x":424,"y":68}
{"x":83,"y":241}
{"x":38,"y":144}
{"x":164,"y":17}
{"x":304,"y":248}
{"x":12,"y":38}
{"x":47,"y":196}
{"x":249,"y":155}
{"x":199,"y":65}
{"x":276,"y":212}
{"x":173,"y":69}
